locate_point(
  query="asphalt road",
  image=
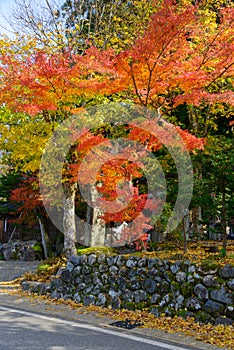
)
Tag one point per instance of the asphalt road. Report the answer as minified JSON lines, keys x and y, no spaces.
{"x":9,"y":270}
{"x":21,"y":330}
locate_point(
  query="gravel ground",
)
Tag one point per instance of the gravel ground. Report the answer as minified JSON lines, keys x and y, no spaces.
{"x":10,"y":270}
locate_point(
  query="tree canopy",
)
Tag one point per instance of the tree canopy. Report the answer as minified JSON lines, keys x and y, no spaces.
{"x":177,"y":64}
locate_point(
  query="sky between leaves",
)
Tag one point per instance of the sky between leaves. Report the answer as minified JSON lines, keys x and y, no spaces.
{"x":5,"y":9}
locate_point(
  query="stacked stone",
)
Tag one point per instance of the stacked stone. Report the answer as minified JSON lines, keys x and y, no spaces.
{"x":162,"y":287}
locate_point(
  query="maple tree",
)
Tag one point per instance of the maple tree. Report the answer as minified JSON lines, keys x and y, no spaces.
{"x":161,"y":70}
{"x":34,"y":77}
{"x":125,"y":170}
{"x":183,"y":65}
{"x":176,"y":62}
{"x":116,"y":171}
{"x":35,"y":81}
{"x":179,"y":60}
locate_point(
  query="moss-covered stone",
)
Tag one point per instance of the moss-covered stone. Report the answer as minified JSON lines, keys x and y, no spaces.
{"x":187,"y":289}
{"x":175,"y":286}
{"x":209,"y":265}
{"x":129,"y":305}
{"x":203,"y":317}
{"x":142,"y":305}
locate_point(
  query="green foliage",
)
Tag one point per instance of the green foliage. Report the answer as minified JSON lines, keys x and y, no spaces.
{"x":47,"y":268}
{"x":160,"y":223}
{"x":223,"y":252}
{"x":186,"y":289}
{"x":7,"y":183}
{"x":213,"y":185}
{"x":130,"y":305}
{"x":37,"y":248}
{"x":209,"y":264}
{"x":103,"y":23}
{"x":44,"y":267}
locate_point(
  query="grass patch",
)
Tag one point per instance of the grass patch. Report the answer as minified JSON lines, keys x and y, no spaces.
{"x":44,"y":267}
{"x":97,"y":250}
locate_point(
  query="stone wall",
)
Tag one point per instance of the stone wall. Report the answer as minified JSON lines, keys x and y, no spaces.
{"x":21,"y":250}
{"x":170,"y":288}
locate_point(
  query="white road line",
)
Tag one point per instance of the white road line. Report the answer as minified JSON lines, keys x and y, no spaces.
{"x":94,"y":328}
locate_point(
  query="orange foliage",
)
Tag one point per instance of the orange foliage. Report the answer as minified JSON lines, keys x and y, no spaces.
{"x":178,"y":59}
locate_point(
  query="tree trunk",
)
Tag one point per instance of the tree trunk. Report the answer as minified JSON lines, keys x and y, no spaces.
{"x":69,"y":224}
{"x":223,"y":218}
{"x":98,"y":229}
{"x":196,"y":217}
{"x":184,"y":234}
{"x":89,"y":216}
{"x":196,"y":212}
{"x":44,"y":234}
